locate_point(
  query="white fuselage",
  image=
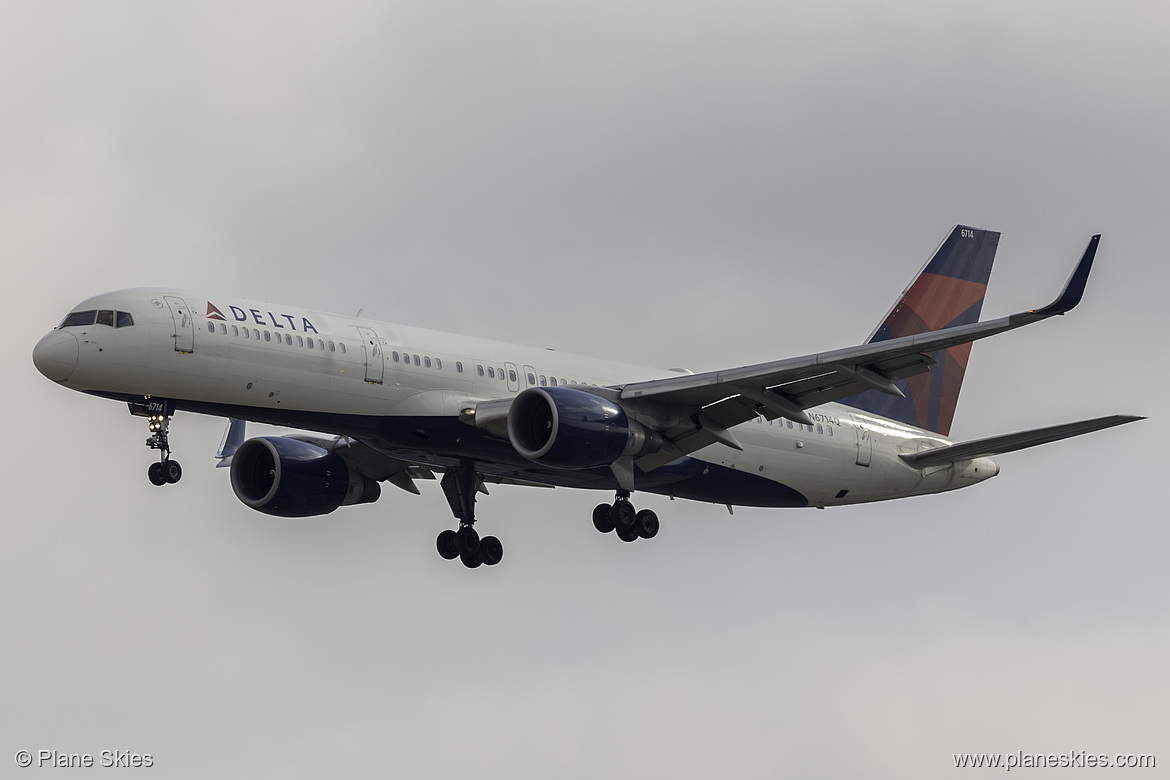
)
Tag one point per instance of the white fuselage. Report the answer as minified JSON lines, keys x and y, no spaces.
{"x":324,"y":371}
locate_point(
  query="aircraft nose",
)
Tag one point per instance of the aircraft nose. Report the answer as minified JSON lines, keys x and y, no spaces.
{"x":55,"y":355}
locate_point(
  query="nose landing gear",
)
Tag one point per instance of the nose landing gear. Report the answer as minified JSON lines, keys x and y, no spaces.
{"x":166,"y":471}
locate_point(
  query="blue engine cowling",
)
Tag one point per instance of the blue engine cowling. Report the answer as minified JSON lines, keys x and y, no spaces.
{"x":292,"y":478}
{"x":567,"y":428}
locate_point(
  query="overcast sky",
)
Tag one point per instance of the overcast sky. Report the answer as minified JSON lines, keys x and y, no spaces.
{"x":673,"y":184}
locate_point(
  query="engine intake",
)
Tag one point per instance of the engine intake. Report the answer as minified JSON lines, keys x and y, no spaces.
{"x":568,"y":428}
{"x":291,"y":478}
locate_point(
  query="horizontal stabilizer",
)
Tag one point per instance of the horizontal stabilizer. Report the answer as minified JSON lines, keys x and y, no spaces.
{"x":997,"y":445}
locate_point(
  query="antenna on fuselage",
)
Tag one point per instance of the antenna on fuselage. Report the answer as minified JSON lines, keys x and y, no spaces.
{"x":359,"y":312}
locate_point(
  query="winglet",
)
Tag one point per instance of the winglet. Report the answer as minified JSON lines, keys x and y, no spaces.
{"x":1074,"y":288}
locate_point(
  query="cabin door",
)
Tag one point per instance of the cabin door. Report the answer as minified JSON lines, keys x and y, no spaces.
{"x":372,"y":351}
{"x":183,"y":327}
{"x":864,"y":442}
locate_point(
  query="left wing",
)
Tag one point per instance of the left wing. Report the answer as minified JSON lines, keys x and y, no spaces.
{"x":368,"y":461}
{"x":785,"y":388}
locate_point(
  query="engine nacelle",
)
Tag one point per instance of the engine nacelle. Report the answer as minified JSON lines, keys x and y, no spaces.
{"x":291,"y":478}
{"x":567,"y":428}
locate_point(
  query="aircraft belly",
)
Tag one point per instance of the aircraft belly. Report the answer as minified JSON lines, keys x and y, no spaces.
{"x":824,"y":469}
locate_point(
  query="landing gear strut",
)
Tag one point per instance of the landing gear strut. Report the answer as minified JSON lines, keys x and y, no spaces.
{"x":166,"y":471}
{"x":621,"y":516}
{"x":460,"y":486}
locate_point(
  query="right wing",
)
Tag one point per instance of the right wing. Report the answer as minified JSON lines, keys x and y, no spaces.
{"x":785,"y":388}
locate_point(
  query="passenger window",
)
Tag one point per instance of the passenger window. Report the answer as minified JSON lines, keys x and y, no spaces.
{"x":491,"y":373}
{"x":552,"y":380}
{"x":268,"y":336}
{"x":245,"y":333}
{"x":427,"y":362}
{"x":222,"y":329}
{"x":459,"y":366}
{"x":79,"y":318}
{"x":789,"y":424}
{"x":543,"y":381}
{"x":105,"y":317}
{"x":300,"y":342}
{"x":235,"y":331}
{"x":511,"y":375}
{"x":310,"y":343}
{"x":819,"y":428}
{"x":479,"y":370}
{"x":562,"y":383}
{"x":438,"y":364}
{"x":125,"y":320}
{"x":288,"y":340}
{"x":320,"y":344}
{"x":829,"y":428}
{"x":255,"y":334}
{"x":416,"y":360}
{"x":531,"y":379}
{"x":211,"y":327}
{"x":342,"y":348}
{"x":332,"y":347}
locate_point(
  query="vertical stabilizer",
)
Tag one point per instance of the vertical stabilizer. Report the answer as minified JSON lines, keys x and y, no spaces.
{"x":948,"y":291}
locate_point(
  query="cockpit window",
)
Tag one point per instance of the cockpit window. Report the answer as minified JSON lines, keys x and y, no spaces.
{"x":79,"y":318}
{"x":105,"y":317}
{"x":124,"y":319}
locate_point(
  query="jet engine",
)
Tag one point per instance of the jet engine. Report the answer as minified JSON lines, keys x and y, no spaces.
{"x":291,"y":478}
{"x":567,"y":428}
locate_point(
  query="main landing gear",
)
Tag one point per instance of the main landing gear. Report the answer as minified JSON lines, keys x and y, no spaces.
{"x":166,"y":471}
{"x":621,"y":516}
{"x":460,"y":486}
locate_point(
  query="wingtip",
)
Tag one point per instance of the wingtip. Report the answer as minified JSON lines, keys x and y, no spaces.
{"x":1074,"y":288}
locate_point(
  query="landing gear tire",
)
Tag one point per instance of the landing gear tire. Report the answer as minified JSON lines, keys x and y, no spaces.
{"x":448,"y":547}
{"x":627,"y":534}
{"x":624,"y":514}
{"x":646,"y":524}
{"x":603,"y":518}
{"x":467,"y":542}
{"x":470,"y":560}
{"x":491,"y":551}
{"x":156,"y":475}
{"x":172,"y":471}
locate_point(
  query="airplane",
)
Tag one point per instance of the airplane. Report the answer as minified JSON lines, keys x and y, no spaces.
{"x":381,"y":402}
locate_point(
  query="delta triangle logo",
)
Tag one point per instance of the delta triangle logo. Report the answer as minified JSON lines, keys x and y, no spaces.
{"x":214,"y":313}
